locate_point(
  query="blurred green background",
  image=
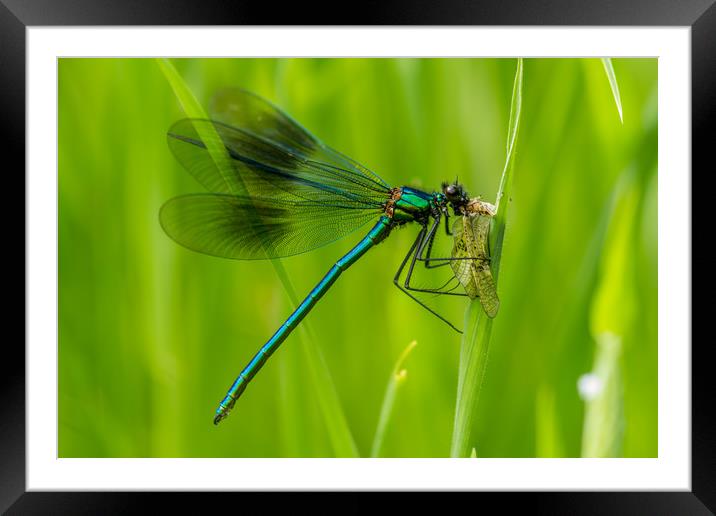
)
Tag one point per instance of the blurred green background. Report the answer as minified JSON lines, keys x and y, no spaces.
{"x":151,"y":335}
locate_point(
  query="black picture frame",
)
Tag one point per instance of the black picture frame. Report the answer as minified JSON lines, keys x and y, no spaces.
{"x":17,"y":15}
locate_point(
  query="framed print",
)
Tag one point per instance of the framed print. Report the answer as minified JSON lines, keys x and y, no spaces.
{"x":401,"y":255}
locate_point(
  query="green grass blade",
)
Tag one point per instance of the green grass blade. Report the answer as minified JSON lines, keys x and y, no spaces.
{"x":475,"y":343}
{"x":512,"y":130}
{"x":473,"y":364}
{"x":397,"y":378}
{"x":602,"y":391}
{"x":193,"y":109}
{"x":611,"y":316}
{"x":335,"y":420}
{"x":609,"y":69}
{"x":547,"y":438}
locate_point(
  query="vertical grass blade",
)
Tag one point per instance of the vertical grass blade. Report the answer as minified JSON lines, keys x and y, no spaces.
{"x":473,"y":363}
{"x":478,"y":327}
{"x":611,"y":316}
{"x":602,"y":392}
{"x":335,"y":420}
{"x":548,"y":442}
{"x":397,"y":378}
{"x":609,"y":69}
{"x":341,"y":438}
{"x":193,"y":109}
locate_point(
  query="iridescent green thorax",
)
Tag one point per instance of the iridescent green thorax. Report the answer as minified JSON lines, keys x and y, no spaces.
{"x":409,"y":204}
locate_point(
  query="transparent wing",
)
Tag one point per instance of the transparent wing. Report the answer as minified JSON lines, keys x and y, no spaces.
{"x":277,"y":191}
{"x":240,"y":108}
{"x":463,"y":269}
{"x":487,"y":289}
{"x":470,"y":233}
{"x":256,"y":167}
{"x":483,"y":275}
{"x":253,"y":228}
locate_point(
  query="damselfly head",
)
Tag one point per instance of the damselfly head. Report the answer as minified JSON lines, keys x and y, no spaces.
{"x":455,"y":195}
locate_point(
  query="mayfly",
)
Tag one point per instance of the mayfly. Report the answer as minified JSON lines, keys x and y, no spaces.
{"x":275,"y":190}
{"x":471,"y":233}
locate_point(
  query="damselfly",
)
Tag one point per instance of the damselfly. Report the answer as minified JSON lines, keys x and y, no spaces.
{"x":277,"y":191}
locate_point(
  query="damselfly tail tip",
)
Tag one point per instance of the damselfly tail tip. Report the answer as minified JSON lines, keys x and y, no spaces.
{"x":225,"y":407}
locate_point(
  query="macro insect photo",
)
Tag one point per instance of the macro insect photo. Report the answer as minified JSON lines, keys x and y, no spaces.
{"x":344,"y":257}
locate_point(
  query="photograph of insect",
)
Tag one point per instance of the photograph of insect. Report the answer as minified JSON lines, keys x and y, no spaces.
{"x":207,"y":206}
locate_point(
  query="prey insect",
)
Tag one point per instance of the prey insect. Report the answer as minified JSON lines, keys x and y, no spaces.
{"x":471,"y":233}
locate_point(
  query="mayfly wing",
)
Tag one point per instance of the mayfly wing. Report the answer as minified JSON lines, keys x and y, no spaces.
{"x":463,"y":247}
{"x":483,"y":275}
{"x":471,"y":233}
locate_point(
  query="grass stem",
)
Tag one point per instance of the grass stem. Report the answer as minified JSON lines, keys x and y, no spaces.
{"x":614,"y":85}
{"x":397,"y":378}
{"x":478,"y":327}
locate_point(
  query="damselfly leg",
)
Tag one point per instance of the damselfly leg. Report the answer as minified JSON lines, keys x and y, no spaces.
{"x":410,"y":257}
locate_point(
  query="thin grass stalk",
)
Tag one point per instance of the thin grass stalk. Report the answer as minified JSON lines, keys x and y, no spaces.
{"x":397,"y":377}
{"x":548,"y":442}
{"x":475,"y":343}
{"x":340,"y":435}
{"x":614,"y":85}
{"x":603,"y":394}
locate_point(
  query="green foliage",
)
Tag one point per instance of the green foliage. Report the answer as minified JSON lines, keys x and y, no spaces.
{"x":151,"y":335}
